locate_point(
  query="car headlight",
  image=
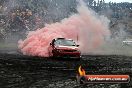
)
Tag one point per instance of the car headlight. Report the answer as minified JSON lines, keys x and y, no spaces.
{"x":78,"y":51}
{"x":59,"y":50}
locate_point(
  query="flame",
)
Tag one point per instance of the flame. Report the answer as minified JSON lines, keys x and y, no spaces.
{"x":81,"y":71}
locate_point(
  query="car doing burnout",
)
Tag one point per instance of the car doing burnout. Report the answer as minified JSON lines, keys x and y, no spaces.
{"x":65,"y":48}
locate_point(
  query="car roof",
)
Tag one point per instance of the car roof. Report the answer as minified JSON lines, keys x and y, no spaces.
{"x":62,"y":38}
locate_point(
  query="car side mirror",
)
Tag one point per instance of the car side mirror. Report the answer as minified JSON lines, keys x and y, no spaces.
{"x":77,"y":45}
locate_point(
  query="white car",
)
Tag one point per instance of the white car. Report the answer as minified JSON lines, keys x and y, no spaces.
{"x":127,"y":42}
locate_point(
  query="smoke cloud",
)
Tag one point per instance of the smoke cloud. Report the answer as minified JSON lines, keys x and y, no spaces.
{"x":85,"y":27}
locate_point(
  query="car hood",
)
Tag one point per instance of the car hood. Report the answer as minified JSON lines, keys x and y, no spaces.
{"x":67,"y":47}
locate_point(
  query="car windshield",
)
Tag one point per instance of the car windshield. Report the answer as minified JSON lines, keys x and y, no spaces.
{"x":64,"y":42}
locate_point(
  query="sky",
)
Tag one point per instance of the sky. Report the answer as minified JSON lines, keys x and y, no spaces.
{"x":117,"y":1}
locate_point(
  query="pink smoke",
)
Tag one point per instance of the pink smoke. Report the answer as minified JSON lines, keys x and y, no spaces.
{"x":86,"y":25}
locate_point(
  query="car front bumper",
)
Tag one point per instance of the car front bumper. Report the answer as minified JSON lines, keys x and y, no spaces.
{"x":67,"y":54}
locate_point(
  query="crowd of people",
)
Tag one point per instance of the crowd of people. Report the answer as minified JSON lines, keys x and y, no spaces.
{"x":31,"y":14}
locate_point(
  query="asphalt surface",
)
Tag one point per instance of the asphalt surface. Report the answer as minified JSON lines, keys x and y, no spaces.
{"x":19,"y":71}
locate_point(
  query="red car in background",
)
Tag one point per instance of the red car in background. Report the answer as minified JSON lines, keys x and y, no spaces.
{"x":65,"y":48}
